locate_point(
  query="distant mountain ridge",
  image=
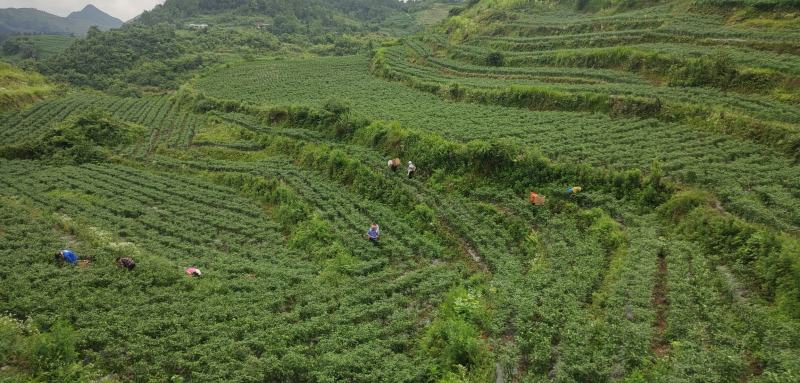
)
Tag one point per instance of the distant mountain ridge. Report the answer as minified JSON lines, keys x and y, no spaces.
{"x":33,"y":21}
{"x":95,"y":16}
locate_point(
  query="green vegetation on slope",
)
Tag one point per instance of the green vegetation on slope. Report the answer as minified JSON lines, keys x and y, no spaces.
{"x":16,"y":49}
{"x":564,"y":136}
{"x":78,"y":139}
{"x":313,"y":17}
{"x":19,"y":88}
{"x":462,"y":251}
{"x":677,"y":262}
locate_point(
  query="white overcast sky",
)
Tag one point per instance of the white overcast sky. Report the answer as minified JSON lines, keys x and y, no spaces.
{"x":121,"y":9}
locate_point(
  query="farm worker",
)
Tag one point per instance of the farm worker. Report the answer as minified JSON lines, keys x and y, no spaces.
{"x":68,"y":256}
{"x":411,"y":169}
{"x":537,"y":199}
{"x":126,"y":262}
{"x":193,"y":271}
{"x":394,"y":164}
{"x":574,"y":190}
{"x":374,"y":233}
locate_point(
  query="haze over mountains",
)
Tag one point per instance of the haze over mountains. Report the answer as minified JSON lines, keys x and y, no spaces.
{"x":34,"y":21}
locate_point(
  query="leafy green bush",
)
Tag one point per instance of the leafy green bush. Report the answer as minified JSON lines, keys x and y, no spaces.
{"x":337,"y":107}
{"x":602,"y":226}
{"x":768,"y":261}
{"x":28,"y":354}
{"x":682,"y":203}
{"x":495,"y":59}
{"x":82,"y":138}
{"x":454,"y":340}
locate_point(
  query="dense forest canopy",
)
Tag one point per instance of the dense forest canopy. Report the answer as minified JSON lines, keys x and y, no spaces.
{"x":158,"y":48}
{"x":304,"y":10}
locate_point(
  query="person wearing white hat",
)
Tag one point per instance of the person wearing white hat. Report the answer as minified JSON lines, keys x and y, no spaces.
{"x":193,"y":271}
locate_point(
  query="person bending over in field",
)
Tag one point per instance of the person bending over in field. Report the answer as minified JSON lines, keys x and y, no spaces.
{"x":411,"y":169}
{"x":67,"y":256}
{"x":374,"y":233}
{"x":126,"y":262}
{"x":193,"y":271}
{"x":394,"y":164}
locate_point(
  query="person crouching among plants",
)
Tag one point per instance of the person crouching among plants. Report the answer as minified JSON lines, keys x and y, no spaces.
{"x":67,"y":256}
{"x":394,"y":164}
{"x":411,"y":169}
{"x":126,"y":263}
{"x":374,"y":233}
{"x":193,"y":271}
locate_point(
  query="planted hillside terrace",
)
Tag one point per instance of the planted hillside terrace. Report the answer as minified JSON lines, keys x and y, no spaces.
{"x":166,"y":123}
{"x":661,"y":244}
{"x":687,"y":154}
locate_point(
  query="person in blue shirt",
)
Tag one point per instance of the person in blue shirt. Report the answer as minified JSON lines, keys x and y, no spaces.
{"x":374,"y":233}
{"x":68,"y":256}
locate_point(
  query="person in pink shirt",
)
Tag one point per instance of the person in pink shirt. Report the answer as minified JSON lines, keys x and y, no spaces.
{"x":193,"y":271}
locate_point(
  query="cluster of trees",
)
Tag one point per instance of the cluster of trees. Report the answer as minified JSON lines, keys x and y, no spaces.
{"x":21,"y":46}
{"x":327,"y":13}
{"x":149,"y":56}
{"x":103,"y":58}
{"x":28,"y":354}
{"x":154,"y":52}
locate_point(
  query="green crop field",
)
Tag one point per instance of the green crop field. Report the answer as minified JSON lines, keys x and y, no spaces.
{"x":19,"y":88}
{"x":37,"y":46}
{"x":690,"y":155}
{"x":664,"y":138}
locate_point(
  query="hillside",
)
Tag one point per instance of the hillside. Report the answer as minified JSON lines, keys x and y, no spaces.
{"x":19,"y":88}
{"x":18,"y":48}
{"x":311,"y":17}
{"x":170,"y":43}
{"x":659,"y":63}
{"x":605,"y":191}
{"x":32,"y":21}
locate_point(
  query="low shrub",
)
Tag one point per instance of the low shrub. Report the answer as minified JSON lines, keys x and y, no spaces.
{"x":82,"y":138}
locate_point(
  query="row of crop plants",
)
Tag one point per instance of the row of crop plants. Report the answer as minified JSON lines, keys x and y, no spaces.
{"x":606,"y":341}
{"x":443,"y":64}
{"x":697,"y":24}
{"x":775,"y":43}
{"x":679,"y":102}
{"x":748,"y":160}
{"x":169,"y":124}
{"x":491,"y":242}
{"x":368,"y":295}
{"x":673,"y":158}
{"x":31,"y":122}
{"x":748,"y":178}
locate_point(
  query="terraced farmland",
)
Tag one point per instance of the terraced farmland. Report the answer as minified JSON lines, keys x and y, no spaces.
{"x":713,"y":160}
{"x":170,"y":222}
{"x":167,"y":122}
{"x":665,"y":140}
